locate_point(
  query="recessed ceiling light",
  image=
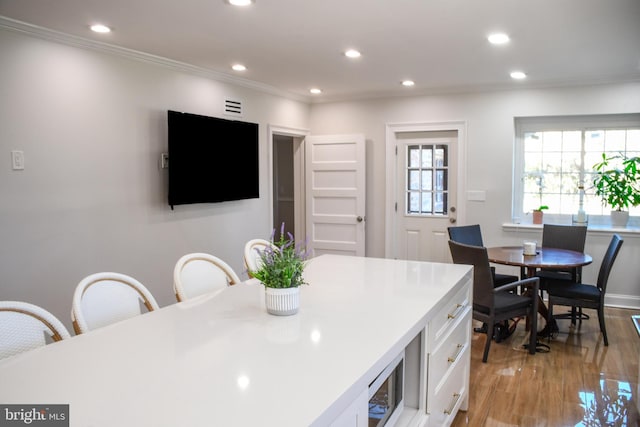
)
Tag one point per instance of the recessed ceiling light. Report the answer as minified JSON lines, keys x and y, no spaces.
{"x":315,"y":91}
{"x":238,"y":67}
{"x":518,"y":75}
{"x":240,"y":2}
{"x":352,"y":53}
{"x":99,"y":28}
{"x":408,"y":83}
{"x":498,"y":38}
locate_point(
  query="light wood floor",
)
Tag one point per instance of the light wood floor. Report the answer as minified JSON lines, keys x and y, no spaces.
{"x":580,"y":382}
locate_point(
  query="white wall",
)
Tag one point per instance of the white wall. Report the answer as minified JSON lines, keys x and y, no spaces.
{"x":490,"y":137}
{"x":92,"y":198}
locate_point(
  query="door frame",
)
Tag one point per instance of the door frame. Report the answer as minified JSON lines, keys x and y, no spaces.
{"x":391,"y":129}
{"x":299,"y":197}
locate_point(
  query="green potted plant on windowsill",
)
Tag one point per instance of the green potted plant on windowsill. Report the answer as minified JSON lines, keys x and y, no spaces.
{"x":280,"y":271}
{"x":617,"y":182}
{"x":538,"y":214}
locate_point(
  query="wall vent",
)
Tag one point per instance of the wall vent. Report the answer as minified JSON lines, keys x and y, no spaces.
{"x":232,"y":108}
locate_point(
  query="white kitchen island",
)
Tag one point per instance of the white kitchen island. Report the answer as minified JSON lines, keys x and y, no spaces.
{"x":221,"y":360}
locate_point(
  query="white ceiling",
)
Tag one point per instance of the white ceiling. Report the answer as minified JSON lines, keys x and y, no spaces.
{"x":294,"y":45}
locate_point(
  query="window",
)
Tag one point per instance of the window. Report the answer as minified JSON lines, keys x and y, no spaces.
{"x":427,"y":179}
{"x":554,"y":159}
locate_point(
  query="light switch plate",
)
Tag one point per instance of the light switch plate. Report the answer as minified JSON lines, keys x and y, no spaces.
{"x":17,"y":160}
{"x":477,"y":195}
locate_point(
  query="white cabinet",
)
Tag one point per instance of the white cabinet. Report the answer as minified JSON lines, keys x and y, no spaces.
{"x":356,"y":415}
{"x":436,"y":367}
{"x":445,"y":361}
{"x":448,"y":382}
{"x":449,"y":341}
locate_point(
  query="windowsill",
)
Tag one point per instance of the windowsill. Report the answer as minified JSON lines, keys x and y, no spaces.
{"x":604,"y":229}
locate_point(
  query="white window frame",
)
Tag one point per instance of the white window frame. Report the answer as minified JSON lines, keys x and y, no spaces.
{"x":432,"y":190}
{"x":525,"y":125}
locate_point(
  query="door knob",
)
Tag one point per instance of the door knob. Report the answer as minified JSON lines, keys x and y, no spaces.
{"x":359,"y":218}
{"x":452,"y":220}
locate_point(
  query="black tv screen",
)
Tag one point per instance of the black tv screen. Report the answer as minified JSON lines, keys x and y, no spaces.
{"x":211,"y":159}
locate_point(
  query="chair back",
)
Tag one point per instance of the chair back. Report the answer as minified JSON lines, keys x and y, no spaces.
{"x":104,"y":298}
{"x":466,"y":234}
{"x":607,"y":262}
{"x":25,"y":326}
{"x":199,"y":273}
{"x":482,"y":277}
{"x":252,"y":250}
{"x":570,"y":237}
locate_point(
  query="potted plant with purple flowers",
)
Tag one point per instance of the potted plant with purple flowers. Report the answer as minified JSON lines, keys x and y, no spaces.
{"x":280,"y":271}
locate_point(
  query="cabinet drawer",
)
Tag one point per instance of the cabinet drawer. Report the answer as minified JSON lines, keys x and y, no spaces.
{"x":448,"y":315}
{"x":445,"y":402}
{"x":451,"y":354}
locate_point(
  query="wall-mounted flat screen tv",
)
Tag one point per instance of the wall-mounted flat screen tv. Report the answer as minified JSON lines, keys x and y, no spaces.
{"x":211,"y":159}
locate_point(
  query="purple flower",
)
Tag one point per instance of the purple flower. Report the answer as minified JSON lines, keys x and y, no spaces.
{"x":282,"y":263}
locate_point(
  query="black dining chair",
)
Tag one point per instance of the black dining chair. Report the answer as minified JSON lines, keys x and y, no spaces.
{"x":585,"y":295}
{"x":496,"y":304}
{"x":472,"y":235}
{"x":568,"y":237}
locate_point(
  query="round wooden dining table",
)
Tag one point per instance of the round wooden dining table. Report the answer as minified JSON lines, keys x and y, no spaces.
{"x":549,"y":258}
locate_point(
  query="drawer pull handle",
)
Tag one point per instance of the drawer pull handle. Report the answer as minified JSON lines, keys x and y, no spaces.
{"x":459,"y":349}
{"x":455,"y":313}
{"x":449,"y":410}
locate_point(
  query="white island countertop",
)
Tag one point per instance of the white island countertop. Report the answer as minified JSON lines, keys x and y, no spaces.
{"x":221,"y":360}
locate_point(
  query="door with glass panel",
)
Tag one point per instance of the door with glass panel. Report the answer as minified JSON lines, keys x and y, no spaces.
{"x":426,"y":194}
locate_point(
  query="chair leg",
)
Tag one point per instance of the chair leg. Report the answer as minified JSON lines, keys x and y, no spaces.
{"x":490,"y":325}
{"x":581,"y":315}
{"x":533,"y":333}
{"x":603,"y":328}
{"x":549,"y":317}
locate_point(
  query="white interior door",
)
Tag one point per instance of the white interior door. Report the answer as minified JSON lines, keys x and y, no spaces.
{"x":426,"y":194}
{"x":335,"y":194}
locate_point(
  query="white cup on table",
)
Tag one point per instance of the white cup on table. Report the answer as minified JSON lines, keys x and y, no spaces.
{"x":529,"y":248}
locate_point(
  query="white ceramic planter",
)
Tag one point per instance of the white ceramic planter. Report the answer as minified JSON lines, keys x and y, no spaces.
{"x":282,"y":301}
{"x":619,"y":218}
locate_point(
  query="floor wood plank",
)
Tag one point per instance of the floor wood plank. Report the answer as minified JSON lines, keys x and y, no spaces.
{"x":580,"y":382}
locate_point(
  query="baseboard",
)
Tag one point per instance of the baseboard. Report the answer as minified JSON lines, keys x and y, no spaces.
{"x":622,"y":301}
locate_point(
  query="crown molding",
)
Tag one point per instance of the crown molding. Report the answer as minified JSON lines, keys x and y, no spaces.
{"x":478,"y":89}
{"x":75,"y":41}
